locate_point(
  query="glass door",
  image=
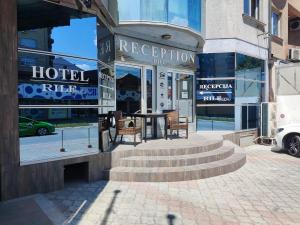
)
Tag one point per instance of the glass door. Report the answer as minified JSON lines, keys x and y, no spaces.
{"x":128,"y":88}
{"x":148,"y":89}
{"x":184,"y":87}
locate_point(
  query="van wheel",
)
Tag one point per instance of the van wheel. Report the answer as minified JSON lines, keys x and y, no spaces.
{"x":42,"y":131}
{"x":293,"y":145}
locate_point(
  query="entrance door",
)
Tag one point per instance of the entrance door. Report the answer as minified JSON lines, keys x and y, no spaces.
{"x":128,"y":88}
{"x":180,"y":93}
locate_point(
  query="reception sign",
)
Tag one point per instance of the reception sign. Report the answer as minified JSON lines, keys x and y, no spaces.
{"x":215,"y":91}
{"x":136,"y":50}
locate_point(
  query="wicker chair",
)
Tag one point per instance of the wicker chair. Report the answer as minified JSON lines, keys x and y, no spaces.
{"x":175,"y":124}
{"x":122,"y":129}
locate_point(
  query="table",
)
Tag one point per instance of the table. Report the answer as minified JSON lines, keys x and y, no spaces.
{"x":154,"y":117}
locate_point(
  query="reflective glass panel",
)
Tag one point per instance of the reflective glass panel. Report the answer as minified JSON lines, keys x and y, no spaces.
{"x":149,"y":81}
{"x":186,"y":13}
{"x":178,"y":12}
{"x":129,"y":9}
{"x":195,"y":14}
{"x":248,"y":67}
{"x":128,"y":89}
{"x":215,"y":118}
{"x":154,"y":10}
{"x":216,"y":65}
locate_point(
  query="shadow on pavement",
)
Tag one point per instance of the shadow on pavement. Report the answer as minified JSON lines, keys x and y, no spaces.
{"x":16,"y":212}
{"x":171,"y":219}
{"x":109,"y":210}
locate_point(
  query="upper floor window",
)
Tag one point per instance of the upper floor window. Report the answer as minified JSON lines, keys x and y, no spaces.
{"x":186,"y":13}
{"x":252,"y":8}
{"x":275,"y":23}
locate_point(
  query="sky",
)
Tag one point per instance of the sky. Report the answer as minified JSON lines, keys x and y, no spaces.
{"x":79,"y":39}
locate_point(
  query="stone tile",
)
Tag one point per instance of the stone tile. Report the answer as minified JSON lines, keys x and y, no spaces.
{"x":264,"y":191}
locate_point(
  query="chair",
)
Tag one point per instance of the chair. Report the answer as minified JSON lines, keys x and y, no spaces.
{"x":175,"y":124}
{"x":122,"y":129}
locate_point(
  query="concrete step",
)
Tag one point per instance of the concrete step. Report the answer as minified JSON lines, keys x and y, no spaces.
{"x":178,"y":160}
{"x":171,"y":174}
{"x":167,"y":148}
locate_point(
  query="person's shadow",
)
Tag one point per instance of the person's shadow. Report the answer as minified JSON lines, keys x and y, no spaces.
{"x":109,"y":210}
{"x":171,"y":219}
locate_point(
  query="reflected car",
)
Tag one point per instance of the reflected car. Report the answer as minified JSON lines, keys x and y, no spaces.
{"x":29,"y":127}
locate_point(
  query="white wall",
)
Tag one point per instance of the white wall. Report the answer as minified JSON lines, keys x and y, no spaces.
{"x":226,"y":30}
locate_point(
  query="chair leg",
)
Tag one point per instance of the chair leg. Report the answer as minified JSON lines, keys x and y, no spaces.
{"x":134,"y":139}
{"x":121,"y":138}
{"x":115,"y":139}
{"x":187,"y":133}
{"x":178,"y":133}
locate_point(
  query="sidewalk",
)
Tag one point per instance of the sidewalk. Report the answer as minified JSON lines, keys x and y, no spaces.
{"x":266,"y":191}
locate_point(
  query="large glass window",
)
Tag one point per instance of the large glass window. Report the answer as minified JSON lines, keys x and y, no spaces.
{"x":178,"y":12}
{"x":58,"y":73}
{"x":154,"y":10}
{"x":215,"y":118}
{"x":186,"y":13}
{"x":129,"y":9}
{"x":234,"y":79}
{"x":128,"y":87}
{"x":216,"y":65}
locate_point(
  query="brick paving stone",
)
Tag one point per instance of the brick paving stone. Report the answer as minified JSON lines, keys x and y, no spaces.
{"x":265,"y":191}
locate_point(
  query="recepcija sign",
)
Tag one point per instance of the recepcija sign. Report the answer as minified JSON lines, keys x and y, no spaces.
{"x":132,"y":49}
{"x":215,"y":91}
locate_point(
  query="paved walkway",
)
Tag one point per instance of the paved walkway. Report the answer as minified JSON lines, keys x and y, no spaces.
{"x":265,"y":191}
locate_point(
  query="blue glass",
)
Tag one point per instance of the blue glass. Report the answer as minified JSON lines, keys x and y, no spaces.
{"x":195,"y":14}
{"x":248,"y":67}
{"x":275,"y":23}
{"x":247,"y":7}
{"x":178,"y":12}
{"x":128,"y":87}
{"x":154,"y":10}
{"x":129,"y":9}
{"x":213,"y":65}
{"x":211,"y":118}
{"x":186,"y":13}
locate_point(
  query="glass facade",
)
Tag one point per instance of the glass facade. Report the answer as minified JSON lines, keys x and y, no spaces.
{"x":60,"y":75}
{"x":229,"y":90}
{"x":185,"y":13}
{"x":128,"y":87}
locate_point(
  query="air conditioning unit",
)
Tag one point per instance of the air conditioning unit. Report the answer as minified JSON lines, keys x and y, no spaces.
{"x":294,"y":25}
{"x":294,"y":54}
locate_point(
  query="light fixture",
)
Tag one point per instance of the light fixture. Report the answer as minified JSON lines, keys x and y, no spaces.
{"x":166,"y":36}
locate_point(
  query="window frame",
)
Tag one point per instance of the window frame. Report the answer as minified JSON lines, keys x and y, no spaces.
{"x":278,"y":23}
{"x":249,"y":10}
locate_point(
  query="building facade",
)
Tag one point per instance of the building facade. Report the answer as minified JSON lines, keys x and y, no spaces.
{"x":284,"y":63}
{"x":48,"y":71}
{"x":154,"y":50}
{"x":231,"y":75}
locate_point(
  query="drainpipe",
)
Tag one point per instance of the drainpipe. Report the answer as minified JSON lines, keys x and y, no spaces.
{"x":270,"y":58}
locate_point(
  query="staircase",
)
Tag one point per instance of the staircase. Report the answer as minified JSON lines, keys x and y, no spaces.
{"x":175,"y":160}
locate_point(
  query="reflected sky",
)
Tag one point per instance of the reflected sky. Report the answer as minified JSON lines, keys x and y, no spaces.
{"x":80,"y":39}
